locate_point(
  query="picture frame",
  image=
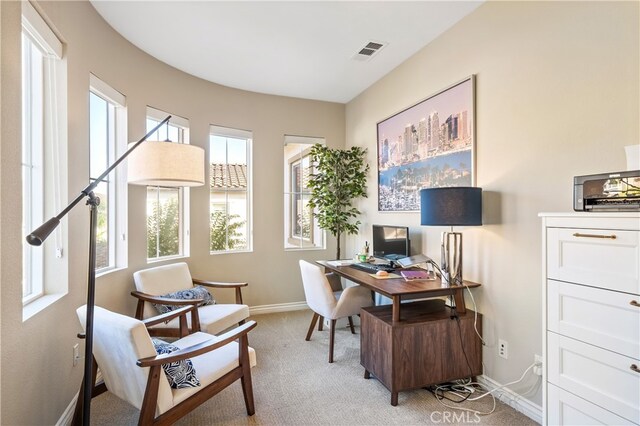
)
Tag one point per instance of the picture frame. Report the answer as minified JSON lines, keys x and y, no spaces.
{"x":429,"y":144}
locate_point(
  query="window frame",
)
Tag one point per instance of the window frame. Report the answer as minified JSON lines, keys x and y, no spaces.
{"x":116,"y":181}
{"x":33,"y":110}
{"x":54,"y":270}
{"x":317,"y":240}
{"x":247,"y":136}
{"x":182,"y":128}
{"x":298,"y":159}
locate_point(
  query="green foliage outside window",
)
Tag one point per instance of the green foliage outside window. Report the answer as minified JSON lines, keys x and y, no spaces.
{"x":163,"y":229}
{"x":225,"y":231}
{"x":102,"y":235}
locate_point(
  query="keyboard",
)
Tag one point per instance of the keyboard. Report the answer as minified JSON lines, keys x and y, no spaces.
{"x":372,"y":268}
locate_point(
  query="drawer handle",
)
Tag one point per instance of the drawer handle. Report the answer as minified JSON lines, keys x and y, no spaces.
{"x":611,"y":237}
{"x":635,"y":368}
{"x":634,"y":303}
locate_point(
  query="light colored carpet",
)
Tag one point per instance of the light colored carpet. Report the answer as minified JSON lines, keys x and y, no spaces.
{"x":295,"y":385}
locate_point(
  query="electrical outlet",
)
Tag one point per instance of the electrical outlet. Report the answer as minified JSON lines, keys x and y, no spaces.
{"x":503,"y":349}
{"x":537,"y":369}
{"x":76,"y":354}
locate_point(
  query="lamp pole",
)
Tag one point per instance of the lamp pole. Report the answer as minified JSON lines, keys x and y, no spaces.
{"x":38,"y":236}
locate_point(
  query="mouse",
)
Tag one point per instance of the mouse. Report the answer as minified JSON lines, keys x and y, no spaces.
{"x":382,"y":273}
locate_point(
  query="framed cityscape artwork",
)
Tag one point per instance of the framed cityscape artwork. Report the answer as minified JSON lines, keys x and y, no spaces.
{"x":430,"y":144}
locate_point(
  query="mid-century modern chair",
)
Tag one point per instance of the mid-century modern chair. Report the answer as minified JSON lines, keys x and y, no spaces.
{"x":132,"y":370}
{"x":325,"y":303}
{"x":162,"y":280}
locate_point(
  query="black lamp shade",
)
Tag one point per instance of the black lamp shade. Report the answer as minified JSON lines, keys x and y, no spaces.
{"x":455,"y":206}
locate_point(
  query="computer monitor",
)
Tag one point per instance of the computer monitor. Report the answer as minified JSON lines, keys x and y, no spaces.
{"x":391,"y":242}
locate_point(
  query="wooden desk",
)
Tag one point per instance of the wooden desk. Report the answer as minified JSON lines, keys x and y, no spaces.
{"x":397,"y":289}
{"x":412,"y":345}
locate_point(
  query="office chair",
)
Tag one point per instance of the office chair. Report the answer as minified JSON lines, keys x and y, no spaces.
{"x":324,"y":302}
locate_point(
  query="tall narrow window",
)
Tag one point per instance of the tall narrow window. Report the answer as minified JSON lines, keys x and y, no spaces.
{"x":301,"y":228}
{"x":32,"y":165}
{"x":106,"y":142}
{"x":167,"y":214}
{"x":230,"y":189}
{"x":44,"y":268}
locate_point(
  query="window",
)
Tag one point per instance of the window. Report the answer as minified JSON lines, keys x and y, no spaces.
{"x":167,"y":208}
{"x":44,"y":269}
{"x":301,"y":228}
{"x":230,"y":189}
{"x":32,"y":165}
{"x":107,"y":141}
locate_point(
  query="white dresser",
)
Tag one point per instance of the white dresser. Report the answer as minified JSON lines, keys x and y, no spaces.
{"x":591,"y":318}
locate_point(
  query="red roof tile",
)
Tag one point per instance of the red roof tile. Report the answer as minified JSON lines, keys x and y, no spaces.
{"x":228,"y":176}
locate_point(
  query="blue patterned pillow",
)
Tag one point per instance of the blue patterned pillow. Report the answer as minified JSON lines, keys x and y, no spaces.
{"x":180,"y":374}
{"x":197,"y":292}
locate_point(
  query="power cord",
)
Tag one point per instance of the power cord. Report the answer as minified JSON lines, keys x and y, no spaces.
{"x":463,"y":389}
{"x":460,"y":391}
{"x":473,"y":300}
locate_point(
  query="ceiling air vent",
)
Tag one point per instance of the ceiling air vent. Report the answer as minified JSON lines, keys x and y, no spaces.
{"x":368,"y":51}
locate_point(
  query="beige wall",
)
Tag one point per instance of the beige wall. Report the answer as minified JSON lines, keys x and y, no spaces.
{"x":39,"y":388}
{"x":557,"y":95}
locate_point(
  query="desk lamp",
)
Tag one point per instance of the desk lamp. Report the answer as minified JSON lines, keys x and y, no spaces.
{"x":455,"y":206}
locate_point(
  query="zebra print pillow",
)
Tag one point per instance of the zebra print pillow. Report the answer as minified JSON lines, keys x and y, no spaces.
{"x":180,"y":374}
{"x":197,"y":292}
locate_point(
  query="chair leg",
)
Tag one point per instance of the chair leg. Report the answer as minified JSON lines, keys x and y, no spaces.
{"x":313,"y":324}
{"x":332,"y":335}
{"x":353,"y":331}
{"x":320,"y":323}
{"x":245,"y":380}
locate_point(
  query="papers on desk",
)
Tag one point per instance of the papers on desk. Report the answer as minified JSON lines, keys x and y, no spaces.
{"x":386,"y":277}
{"x":343,"y":262}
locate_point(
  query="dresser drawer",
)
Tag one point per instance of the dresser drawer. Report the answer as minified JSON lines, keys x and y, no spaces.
{"x":596,"y":257}
{"x":597,"y":375}
{"x":603,"y":318}
{"x":565,"y":408}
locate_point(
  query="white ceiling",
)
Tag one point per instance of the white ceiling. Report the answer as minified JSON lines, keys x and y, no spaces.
{"x":303,"y":49}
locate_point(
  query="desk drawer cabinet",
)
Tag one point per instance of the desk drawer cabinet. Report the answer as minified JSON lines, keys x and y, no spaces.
{"x":591,"y":318}
{"x":427,"y":347}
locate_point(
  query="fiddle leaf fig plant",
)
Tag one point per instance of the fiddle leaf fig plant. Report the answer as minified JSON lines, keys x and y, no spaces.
{"x":339,"y":177}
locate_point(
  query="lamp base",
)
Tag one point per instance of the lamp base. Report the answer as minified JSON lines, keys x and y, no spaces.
{"x":451,"y":265}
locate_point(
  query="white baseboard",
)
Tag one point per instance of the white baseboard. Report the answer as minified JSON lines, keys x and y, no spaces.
{"x":278,"y":307}
{"x":514,"y":400}
{"x":67,"y":416}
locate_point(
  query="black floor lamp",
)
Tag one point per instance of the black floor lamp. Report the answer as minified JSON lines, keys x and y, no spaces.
{"x":156,"y":164}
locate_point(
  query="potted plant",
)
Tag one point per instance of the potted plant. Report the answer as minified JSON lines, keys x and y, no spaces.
{"x":339,"y":177}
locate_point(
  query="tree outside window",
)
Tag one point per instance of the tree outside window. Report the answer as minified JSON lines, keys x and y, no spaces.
{"x":166,"y":206}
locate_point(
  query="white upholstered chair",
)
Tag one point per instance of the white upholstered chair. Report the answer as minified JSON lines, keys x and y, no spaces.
{"x":153,"y":282}
{"x":133,"y":371}
{"x":325,"y":303}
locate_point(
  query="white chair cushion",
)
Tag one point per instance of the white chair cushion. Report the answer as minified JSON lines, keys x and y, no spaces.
{"x":119,"y":341}
{"x":214,"y":318}
{"x":211,"y":365}
{"x":161,"y":280}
